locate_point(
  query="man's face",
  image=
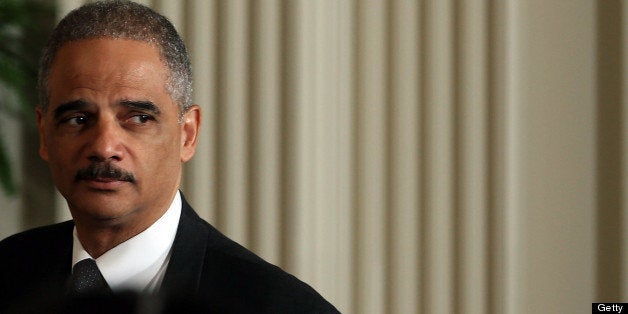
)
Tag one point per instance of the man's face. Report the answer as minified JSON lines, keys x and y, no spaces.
{"x":111,"y":133}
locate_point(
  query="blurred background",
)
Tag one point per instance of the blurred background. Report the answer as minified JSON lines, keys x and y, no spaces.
{"x":402,"y":156}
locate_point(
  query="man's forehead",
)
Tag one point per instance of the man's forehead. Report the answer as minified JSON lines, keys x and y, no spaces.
{"x":108,"y":71}
{"x":108,"y":49}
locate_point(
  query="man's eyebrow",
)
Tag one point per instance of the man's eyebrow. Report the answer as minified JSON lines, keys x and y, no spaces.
{"x":73,"y":105}
{"x":142,"y":105}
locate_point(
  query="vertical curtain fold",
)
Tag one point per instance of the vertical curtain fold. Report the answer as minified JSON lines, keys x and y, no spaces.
{"x":403,"y":148}
{"x":199,"y":180}
{"x":370,"y":156}
{"x":264,"y":128}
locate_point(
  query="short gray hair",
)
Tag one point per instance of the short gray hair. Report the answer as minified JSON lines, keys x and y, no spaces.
{"x":122,"y":20}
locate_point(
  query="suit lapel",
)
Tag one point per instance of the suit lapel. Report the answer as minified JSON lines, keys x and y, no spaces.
{"x":188,"y":252}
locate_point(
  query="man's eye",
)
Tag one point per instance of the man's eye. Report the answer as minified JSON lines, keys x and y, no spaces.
{"x":75,"y":120}
{"x":141,"y":118}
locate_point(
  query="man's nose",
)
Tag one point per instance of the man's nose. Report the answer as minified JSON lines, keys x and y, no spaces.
{"x":106,"y":142}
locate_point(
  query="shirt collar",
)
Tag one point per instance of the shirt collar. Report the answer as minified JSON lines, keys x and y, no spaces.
{"x":136,"y":262}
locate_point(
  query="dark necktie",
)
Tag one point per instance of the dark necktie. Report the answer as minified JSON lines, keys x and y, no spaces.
{"x":87,"y":279}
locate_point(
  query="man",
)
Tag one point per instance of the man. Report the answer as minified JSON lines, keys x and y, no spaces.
{"x":116,"y":123}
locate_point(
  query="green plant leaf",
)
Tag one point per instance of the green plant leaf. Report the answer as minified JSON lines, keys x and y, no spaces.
{"x":6,"y":175}
{"x":24,"y":27}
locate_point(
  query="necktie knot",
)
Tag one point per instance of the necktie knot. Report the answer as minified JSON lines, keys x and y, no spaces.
{"x":86,"y":278}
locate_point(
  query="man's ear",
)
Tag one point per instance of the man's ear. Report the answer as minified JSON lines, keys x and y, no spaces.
{"x":190,"y":128}
{"x":43,"y":149}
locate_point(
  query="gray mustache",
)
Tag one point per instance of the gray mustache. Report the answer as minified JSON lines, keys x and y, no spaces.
{"x":104,"y":171}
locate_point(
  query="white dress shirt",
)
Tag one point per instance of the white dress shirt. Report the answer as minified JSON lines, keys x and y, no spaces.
{"x":140,"y":262}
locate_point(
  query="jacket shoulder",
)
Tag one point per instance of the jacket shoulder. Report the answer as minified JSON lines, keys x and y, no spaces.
{"x":247,"y":283}
{"x":234,"y":279}
{"x":37,"y":238}
{"x":38,"y":244}
{"x":34,"y":265}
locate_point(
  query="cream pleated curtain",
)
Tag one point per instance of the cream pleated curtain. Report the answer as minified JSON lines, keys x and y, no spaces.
{"x":410,"y":156}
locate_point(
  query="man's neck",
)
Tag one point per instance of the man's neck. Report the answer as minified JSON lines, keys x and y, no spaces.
{"x":97,"y":241}
{"x":97,"y":236}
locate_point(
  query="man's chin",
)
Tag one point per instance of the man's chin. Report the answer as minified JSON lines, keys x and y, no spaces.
{"x":99,"y":206}
{"x":100,"y":217}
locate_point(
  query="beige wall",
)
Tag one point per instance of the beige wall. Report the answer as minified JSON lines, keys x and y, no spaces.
{"x":413,"y":156}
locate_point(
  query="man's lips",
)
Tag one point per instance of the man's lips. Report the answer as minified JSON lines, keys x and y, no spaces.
{"x":104,"y":180}
{"x":103,"y":184}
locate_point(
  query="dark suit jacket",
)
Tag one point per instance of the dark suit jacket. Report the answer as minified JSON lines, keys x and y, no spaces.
{"x":207,"y":272}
